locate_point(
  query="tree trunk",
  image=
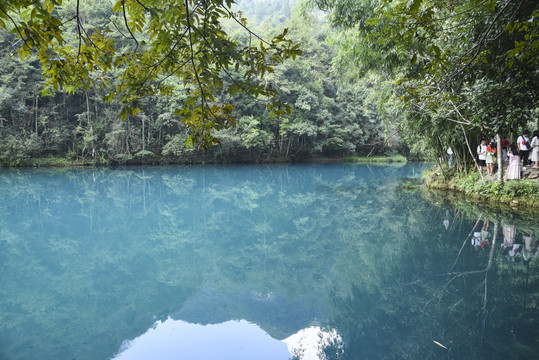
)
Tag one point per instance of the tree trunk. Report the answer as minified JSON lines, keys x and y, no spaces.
{"x":127,"y":123}
{"x":474,"y":156}
{"x":499,"y":157}
{"x":148,"y":134}
{"x":143,"y":144}
{"x":90,"y":128}
{"x":37,"y":112}
{"x":66,"y":112}
{"x":440,"y":157}
{"x":95,"y":105}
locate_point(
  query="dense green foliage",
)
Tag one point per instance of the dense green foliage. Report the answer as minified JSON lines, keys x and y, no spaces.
{"x":324,"y":118}
{"x":130,"y":49}
{"x":374,"y":77}
{"x":464,"y":70}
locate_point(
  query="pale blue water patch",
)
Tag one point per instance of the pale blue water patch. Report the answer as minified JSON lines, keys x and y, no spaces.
{"x":174,"y":339}
{"x":95,"y":262}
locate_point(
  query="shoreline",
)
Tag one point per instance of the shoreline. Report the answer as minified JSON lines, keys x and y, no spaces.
{"x":519,"y":193}
{"x":62,"y":162}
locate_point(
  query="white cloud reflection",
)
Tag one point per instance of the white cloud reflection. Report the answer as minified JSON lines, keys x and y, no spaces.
{"x":309,"y":343}
{"x":237,"y":340}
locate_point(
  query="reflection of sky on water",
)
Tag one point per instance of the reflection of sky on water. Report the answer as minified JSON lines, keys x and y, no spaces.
{"x":176,"y":339}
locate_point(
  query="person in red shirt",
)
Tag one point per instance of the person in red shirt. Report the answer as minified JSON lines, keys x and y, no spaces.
{"x":491,"y":155}
{"x":505,"y":147}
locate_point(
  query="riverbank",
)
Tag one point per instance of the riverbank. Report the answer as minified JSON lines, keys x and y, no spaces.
{"x":359,"y":159}
{"x":516,"y":193}
{"x":65,"y":162}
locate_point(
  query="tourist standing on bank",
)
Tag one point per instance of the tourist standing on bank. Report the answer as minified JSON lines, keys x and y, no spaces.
{"x":491,"y":156}
{"x":523,"y":143}
{"x":482,"y":154}
{"x":535,"y":148}
{"x":505,"y":148}
{"x":513,"y":170}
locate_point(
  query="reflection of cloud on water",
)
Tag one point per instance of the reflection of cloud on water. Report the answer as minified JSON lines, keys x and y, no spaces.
{"x":176,"y":339}
{"x":309,"y":343}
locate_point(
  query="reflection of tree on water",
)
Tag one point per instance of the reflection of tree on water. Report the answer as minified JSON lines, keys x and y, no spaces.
{"x":499,"y":293}
{"x":456,"y":299}
{"x":283,"y":251}
{"x":530,"y":247}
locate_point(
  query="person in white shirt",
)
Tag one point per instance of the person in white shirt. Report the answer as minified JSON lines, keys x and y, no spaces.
{"x":523,"y":143}
{"x":482,"y":154}
{"x":535,"y":148}
{"x":450,"y":153}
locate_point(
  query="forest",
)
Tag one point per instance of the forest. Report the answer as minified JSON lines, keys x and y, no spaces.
{"x":159,"y":82}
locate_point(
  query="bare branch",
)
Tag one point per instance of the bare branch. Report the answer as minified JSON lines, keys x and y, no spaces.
{"x":222,"y":66}
{"x":192,"y":57}
{"x":245,"y":27}
{"x":459,"y":114}
{"x":465,"y":241}
{"x":126,"y":25}
{"x":477,"y":47}
{"x":471,"y":153}
{"x":78,"y":29}
{"x":451,"y":16}
{"x":143,"y":6}
{"x":120,"y":31}
{"x":16,"y":27}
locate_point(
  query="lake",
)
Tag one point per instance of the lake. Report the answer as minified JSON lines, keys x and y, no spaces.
{"x":329,"y":261}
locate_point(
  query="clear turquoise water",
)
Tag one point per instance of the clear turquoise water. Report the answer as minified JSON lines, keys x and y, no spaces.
{"x":226,"y":262}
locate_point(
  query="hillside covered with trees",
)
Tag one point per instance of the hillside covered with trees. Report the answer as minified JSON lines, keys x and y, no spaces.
{"x":262,"y":81}
{"x":325,"y":117}
{"x":464,"y":70}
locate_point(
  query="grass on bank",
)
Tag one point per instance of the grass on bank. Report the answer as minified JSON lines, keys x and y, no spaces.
{"x":375,"y":159}
{"x":55,"y":162}
{"x":521,"y":192}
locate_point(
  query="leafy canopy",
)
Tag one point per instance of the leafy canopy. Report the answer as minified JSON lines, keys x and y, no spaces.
{"x":145,"y":43}
{"x":465,"y":68}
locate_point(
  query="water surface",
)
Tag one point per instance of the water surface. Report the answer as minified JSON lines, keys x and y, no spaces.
{"x":333,"y":261}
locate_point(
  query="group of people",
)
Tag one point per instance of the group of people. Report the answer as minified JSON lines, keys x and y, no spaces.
{"x":525,"y":247}
{"x":486,"y":155}
{"x":524,"y":150}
